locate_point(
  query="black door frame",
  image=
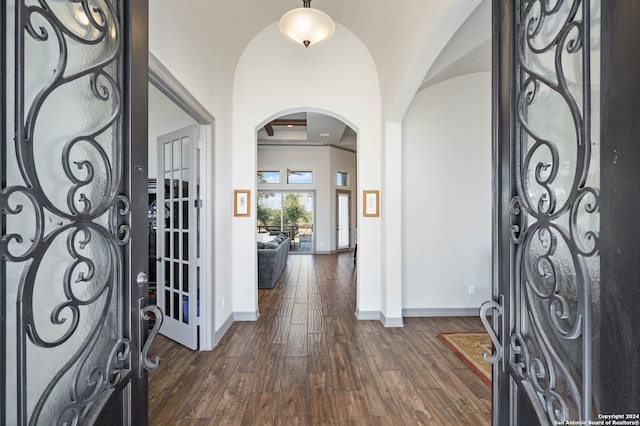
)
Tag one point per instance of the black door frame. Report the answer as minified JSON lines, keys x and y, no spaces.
{"x":619,"y":205}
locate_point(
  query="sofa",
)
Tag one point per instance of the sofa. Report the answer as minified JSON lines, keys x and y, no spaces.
{"x":272,"y":258}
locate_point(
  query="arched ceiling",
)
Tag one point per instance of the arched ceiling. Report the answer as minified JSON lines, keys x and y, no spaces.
{"x":394,"y":32}
{"x":413,"y":43}
{"x":384,"y":28}
{"x":468,"y":51}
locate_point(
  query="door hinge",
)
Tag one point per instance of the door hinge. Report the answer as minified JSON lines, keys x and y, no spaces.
{"x":496,"y":311}
{"x":199,"y":144}
{"x":197,"y":204}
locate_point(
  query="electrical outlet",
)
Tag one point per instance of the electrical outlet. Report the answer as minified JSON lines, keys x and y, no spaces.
{"x":472,"y":289}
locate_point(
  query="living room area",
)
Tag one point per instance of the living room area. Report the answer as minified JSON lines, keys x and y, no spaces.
{"x":304,"y":160}
{"x":306,"y":164}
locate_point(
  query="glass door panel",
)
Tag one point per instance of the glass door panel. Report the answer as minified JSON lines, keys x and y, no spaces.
{"x":177,"y":288}
{"x":68,"y":346}
{"x":297,"y":212}
{"x":343,"y":221}
{"x":547,"y":366}
{"x":269,"y":212}
{"x":288,"y":212}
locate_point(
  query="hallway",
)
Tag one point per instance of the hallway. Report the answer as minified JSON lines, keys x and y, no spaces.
{"x":308,"y":360}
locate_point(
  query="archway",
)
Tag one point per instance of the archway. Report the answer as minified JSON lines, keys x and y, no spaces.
{"x":288,"y":84}
{"x":303,"y":159}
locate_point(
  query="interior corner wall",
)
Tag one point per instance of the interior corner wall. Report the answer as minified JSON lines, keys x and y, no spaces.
{"x":447,"y":195}
{"x":274,"y":77}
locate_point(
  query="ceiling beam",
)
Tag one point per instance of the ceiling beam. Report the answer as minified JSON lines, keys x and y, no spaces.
{"x":289,"y":122}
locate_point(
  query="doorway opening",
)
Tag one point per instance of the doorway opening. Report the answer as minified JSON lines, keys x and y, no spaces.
{"x":304,"y":158}
{"x":180,"y":210}
{"x":343,"y":215}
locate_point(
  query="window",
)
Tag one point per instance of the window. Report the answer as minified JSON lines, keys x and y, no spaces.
{"x":341,"y":179}
{"x":268,"y":177}
{"x":299,"y":176}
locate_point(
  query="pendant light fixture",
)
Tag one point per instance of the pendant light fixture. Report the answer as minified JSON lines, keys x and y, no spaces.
{"x":306,"y":26}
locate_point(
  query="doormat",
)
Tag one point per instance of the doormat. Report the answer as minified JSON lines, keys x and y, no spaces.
{"x":469,"y":347}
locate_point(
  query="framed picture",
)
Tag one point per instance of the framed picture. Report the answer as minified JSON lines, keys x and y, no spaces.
{"x":371,"y":203}
{"x":241,"y":202}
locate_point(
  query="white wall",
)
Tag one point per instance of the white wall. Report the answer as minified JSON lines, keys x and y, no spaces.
{"x":164,"y":117}
{"x":324,"y":161}
{"x":179,"y":42}
{"x":447,"y":195}
{"x":295,"y":79}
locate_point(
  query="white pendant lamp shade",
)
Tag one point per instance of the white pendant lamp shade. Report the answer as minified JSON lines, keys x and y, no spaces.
{"x":306,"y":26}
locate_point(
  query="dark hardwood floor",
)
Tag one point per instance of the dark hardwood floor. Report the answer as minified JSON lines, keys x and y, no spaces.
{"x":308,"y":360}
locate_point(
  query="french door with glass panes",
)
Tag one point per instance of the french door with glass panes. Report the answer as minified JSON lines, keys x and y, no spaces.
{"x":176,"y":236}
{"x":74,"y":237}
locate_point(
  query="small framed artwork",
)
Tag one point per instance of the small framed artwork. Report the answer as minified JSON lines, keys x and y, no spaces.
{"x":241,"y":202}
{"x":371,"y":203}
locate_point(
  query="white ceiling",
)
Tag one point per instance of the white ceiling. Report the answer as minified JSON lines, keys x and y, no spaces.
{"x":320,"y":130}
{"x":468,"y":51}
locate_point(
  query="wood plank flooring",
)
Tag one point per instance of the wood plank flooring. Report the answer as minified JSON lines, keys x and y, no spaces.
{"x":308,"y":361}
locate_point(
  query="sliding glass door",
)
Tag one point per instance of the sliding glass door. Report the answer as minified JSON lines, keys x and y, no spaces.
{"x":290,"y":213}
{"x":343,"y":228}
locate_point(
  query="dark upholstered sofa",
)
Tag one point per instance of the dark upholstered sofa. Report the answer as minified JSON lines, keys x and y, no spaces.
{"x":272,"y":258}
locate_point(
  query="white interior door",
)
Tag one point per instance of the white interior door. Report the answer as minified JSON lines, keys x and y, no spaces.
{"x":343,"y":227}
{"x":176,"y":236}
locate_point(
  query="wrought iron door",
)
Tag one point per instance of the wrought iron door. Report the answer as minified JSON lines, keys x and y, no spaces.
{"x":545,"y":312}
{"x":73,"y":312}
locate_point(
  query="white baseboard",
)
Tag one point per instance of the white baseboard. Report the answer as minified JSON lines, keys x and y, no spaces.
{"x":441,"y":312}
{"x":246,"y":316}
{"x":233,"y":317}
{"x":368,"y":315}
{"x":391,"y":322}
{"x":379,"y":316}
{"x":224,"y":328}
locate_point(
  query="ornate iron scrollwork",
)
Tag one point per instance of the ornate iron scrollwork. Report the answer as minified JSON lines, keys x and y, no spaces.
{"x":557,"y":200}
{"x":554,"y":227}
{"x":84,"y":229}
